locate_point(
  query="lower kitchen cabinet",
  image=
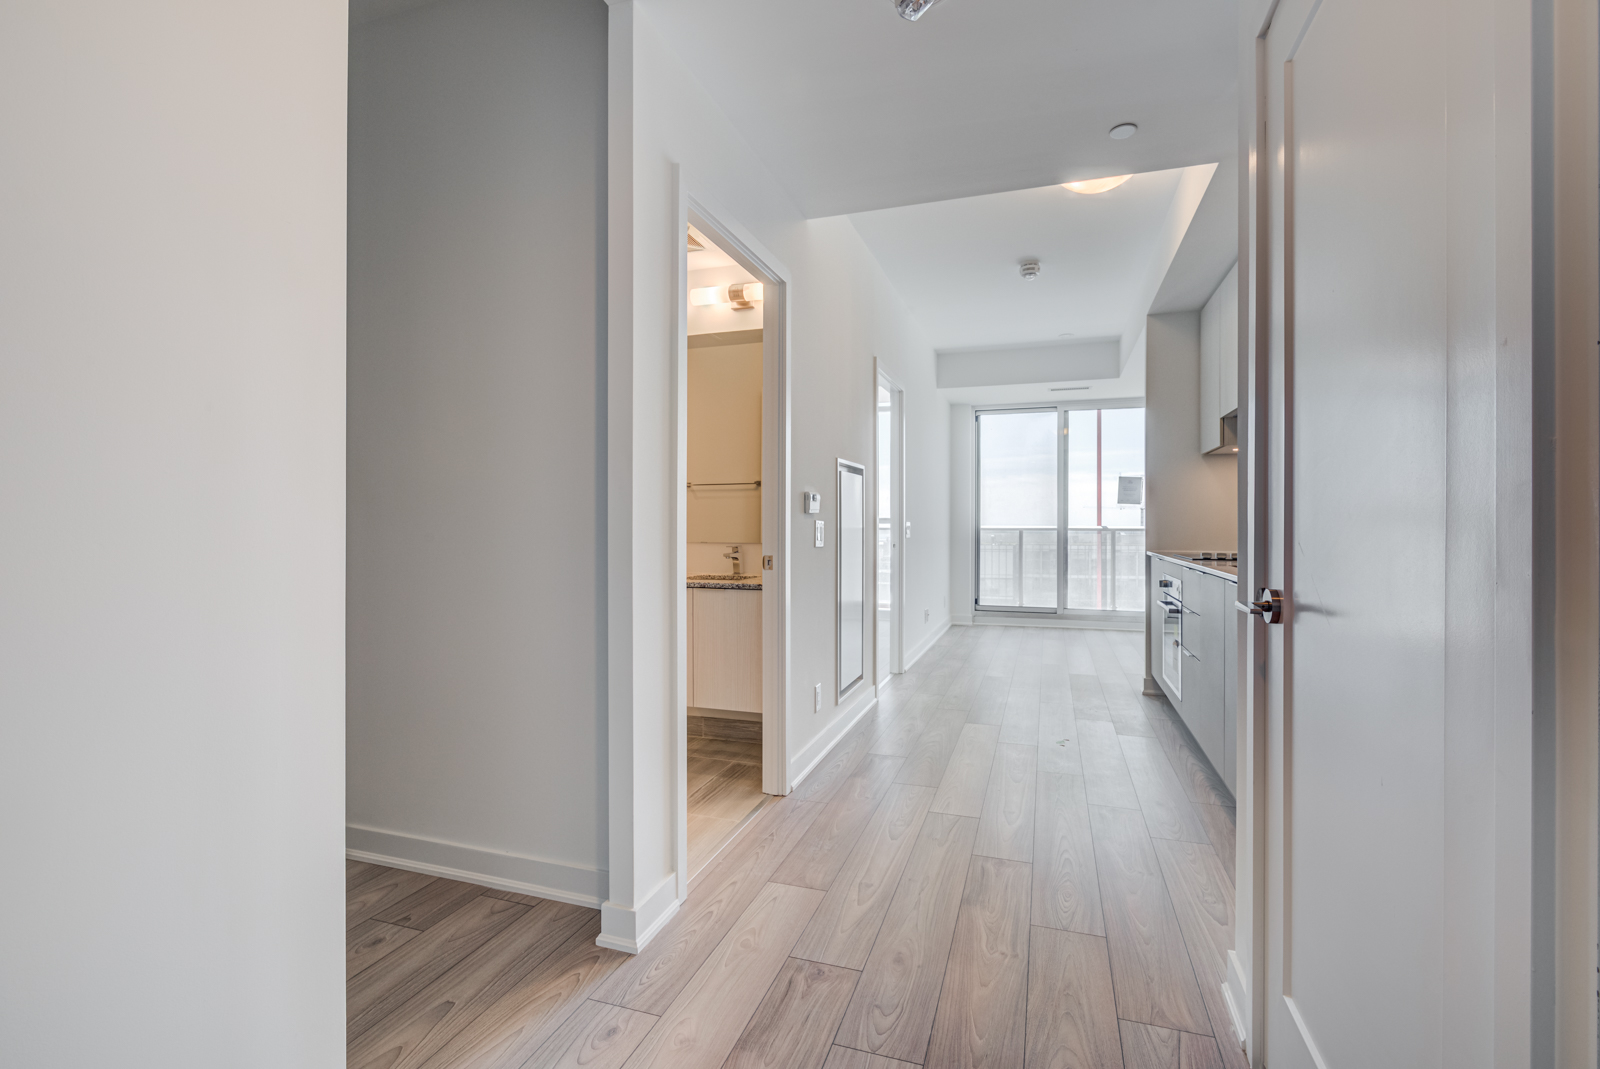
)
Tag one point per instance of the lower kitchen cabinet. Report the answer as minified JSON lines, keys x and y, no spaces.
{"x":1194,"y":661}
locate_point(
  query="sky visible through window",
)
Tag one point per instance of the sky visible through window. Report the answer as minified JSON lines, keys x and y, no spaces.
{"x":1017,"y":472}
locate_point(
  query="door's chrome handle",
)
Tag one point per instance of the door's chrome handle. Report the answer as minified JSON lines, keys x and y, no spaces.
{"x":1268,"y":605}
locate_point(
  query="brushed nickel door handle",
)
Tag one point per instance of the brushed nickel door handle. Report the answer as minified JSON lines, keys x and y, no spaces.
{"x":1268,"y":605}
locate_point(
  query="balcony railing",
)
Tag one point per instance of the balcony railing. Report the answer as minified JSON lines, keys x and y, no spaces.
{"x":1017,"y":568}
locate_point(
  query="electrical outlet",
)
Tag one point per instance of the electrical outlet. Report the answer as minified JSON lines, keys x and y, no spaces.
{"x":816,"y":693}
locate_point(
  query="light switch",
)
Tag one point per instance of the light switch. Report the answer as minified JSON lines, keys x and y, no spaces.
{"x":908,"y":530}
{"x":766,"y":562}
{"x":820,"y":541}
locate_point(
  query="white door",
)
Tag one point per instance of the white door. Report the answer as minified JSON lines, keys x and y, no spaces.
{"x":1357,"y":390}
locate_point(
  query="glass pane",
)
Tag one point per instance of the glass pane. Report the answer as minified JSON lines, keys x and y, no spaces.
{"x":1017,"y":480}
{"x":1105,"y":509}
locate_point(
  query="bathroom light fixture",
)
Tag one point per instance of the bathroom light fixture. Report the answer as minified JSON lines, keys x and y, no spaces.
{"x":1123,"y":131}
{"x":1096,"y":185}
{"x":1030,"y":270}
{"x":739,"y":294}
{"x":912,"y":10}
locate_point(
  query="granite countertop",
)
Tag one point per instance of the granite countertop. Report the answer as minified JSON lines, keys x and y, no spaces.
{"x":725,"y":582}
{"x":1228,"y":569}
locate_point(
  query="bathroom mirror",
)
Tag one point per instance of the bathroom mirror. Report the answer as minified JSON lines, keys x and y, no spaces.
{"x":852,"y":575}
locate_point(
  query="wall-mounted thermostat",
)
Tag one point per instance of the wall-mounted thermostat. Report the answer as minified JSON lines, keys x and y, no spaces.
{"x":813,"y":502}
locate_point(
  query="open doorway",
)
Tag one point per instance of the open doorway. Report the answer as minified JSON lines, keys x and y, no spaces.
{"x":891,"y":529}
{"x":726,"y":562}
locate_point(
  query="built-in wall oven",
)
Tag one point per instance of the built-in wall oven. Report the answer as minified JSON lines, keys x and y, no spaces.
{"x":1171,"y":602}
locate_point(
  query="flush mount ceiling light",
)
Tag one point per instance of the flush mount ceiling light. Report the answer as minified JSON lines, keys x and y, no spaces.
{"x":739,"y":294}
{"x":1123,"y":131}
{"x":1030,"y":270}
{"x":912,"y":10}
{"x":1097,"y":185}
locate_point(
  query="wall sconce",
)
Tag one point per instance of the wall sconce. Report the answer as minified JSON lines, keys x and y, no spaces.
{"x":740,"y":295}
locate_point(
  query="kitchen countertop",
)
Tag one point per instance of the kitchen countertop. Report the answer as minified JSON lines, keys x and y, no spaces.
{"x":725,"y":582}
{"x":1228,"y":569}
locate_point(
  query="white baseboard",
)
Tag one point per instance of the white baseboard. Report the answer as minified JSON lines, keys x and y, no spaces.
{"x":1091,"y":623}
{"x":808,"y":758}
{"x":924,"y":646}
{"x":961,"y":619}
{"x":1234,"y":999}
{"x":630,"y":930}
{"x":503,"y":871}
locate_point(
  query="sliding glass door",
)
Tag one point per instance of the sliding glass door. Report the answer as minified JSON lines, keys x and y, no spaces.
{"x":1060,"y":509}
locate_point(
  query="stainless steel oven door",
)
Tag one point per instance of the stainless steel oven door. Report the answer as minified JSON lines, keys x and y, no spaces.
{"x":1172,"y":637}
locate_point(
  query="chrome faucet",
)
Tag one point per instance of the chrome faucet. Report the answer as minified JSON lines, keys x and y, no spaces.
{"x":734,"y":556}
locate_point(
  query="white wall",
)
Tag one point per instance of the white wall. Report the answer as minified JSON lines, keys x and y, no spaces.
{"x":843,"y":314}
{"x":171,"y":553}
{"x":725,"y":447}
{"x":1191,"y":499}
{"x":477,"y":509}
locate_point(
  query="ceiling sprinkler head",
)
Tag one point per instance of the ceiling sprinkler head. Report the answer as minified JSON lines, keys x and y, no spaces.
{"x":912,"y":10}
{"x":1030,"y":270}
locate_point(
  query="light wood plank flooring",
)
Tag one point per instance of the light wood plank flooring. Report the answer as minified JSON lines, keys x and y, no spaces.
{"x":724,"y":790}
{"x":1017,"y":860}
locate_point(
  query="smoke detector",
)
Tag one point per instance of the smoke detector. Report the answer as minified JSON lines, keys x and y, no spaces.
{"x":1030,"y":270}
{"x":912,"y":10}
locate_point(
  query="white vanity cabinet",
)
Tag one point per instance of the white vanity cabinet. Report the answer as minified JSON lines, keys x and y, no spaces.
{"x":725,"y":649}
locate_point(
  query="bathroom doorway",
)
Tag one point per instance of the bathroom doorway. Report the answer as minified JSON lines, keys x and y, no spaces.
{"x":727,"y":559}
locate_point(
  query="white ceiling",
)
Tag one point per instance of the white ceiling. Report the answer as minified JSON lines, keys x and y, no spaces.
{"x":956,"y":263}
{"x":853,"y":108}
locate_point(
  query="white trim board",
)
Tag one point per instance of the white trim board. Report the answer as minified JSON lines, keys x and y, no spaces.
{"x":500,"y":870}
{"x":617,"y":922}
{"x":812,"y":755}
{"x":1090,"y":623}
{"x":925,"y":645}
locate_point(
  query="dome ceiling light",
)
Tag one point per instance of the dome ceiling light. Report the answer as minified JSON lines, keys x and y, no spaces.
{"x":912,"y":10}
{"x":1123,"y":131}
{"x":1097,"y":185}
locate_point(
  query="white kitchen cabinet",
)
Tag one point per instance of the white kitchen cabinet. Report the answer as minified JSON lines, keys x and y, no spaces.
{"x":1219,"y":365}
{"x":1205,"y":701}
{"x":725,"y":649}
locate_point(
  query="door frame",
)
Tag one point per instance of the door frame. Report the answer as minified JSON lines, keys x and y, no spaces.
{"x":898,"y":539}
{"x":698,"y":211}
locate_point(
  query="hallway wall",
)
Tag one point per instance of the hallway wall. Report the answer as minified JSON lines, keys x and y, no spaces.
{"x":172,"y":549}
{"x":666,"y":129}
{"x":477,"y":456}
{"x":1191,"y":498}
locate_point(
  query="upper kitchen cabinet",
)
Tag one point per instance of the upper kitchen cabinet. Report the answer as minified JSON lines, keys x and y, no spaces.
{"x":1219,"y":368}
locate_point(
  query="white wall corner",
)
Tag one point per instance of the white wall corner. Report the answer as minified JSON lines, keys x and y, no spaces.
{"x":1236,"y":994}
{"x":631,"y":929}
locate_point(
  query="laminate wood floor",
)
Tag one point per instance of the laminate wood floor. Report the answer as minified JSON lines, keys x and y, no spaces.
{"x":724,"y":790}
{"x":1016,"y":861}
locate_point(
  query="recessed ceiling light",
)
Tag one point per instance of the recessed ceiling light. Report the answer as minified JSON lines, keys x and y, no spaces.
{"x":1123,"y":131}
{"x":1097,"y":185}
{"x":912,"y":10}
